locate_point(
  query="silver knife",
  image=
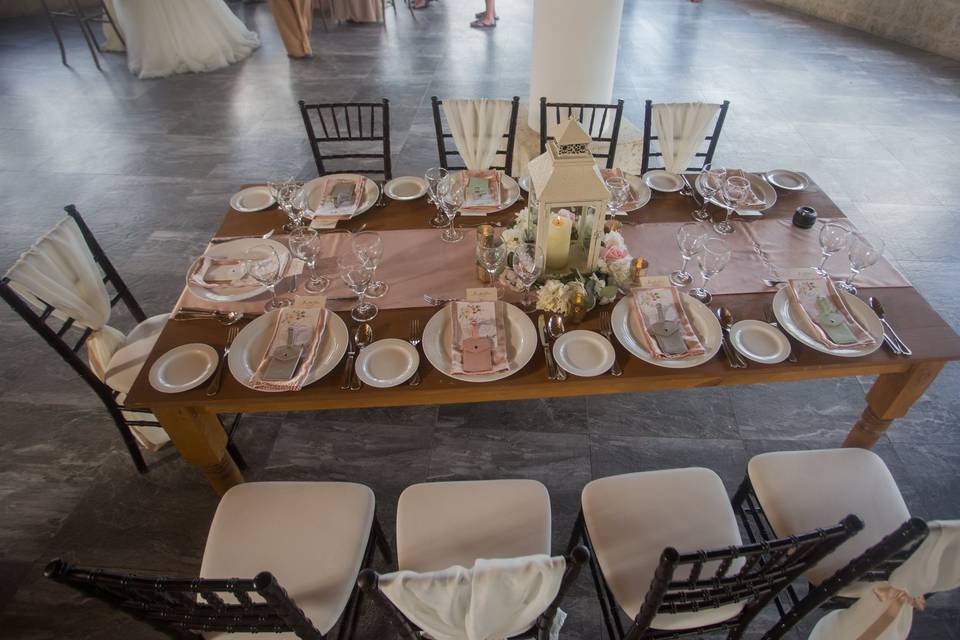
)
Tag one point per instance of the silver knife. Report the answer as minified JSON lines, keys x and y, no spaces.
{"x":548,"y":356}
{"x":348,"y":370}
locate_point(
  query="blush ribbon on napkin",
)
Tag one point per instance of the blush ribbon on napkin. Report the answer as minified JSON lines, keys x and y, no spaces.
{"x":213,"y":273}
{"x":307,"y":326}
{"x":823,"y":314}
{"x":481,"y":191}
{"x":896,"y":600}
{"x":655,"y":306}
{"x":631,"y":202}
{"x":479,"y":337}
{"x":340,"y":196}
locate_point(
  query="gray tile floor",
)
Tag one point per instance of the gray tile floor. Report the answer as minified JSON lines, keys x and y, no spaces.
{"x":152,"y":163}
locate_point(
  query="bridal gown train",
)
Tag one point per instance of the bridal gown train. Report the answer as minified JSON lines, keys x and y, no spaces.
{"x":179,"y":36}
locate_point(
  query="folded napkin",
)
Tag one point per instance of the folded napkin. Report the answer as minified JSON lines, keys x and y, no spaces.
{"x":215,"y":273}
{"x":481,"y":192}
{"x":308,"y":327}
{"x":631,"y":202}
{"x":821,"y":312}
{"x":479,"y":337}
{"x":752,"y":200}
{"x":340,"y":196}
{"x":646,"y":316}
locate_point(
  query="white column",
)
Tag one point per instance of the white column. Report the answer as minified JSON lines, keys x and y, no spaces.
{"x":574,"y":52}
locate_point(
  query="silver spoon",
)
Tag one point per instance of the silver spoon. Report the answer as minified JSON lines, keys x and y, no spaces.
{"x":726,"y":321}
{"x":363,"y":336}
{"x":555,"y":329}
{"x":224,"y":317}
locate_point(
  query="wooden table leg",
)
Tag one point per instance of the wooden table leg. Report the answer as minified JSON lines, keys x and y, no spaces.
{"x":201,"y":440}
{"x":890,"y":397}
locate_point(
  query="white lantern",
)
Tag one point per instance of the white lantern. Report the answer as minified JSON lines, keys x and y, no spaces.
{"x":572,"y":201}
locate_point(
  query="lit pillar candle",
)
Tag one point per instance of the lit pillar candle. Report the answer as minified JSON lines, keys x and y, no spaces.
{"x":558,"y":242}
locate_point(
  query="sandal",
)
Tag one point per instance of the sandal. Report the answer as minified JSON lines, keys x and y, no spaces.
{"x":477,"y":24}
{"x":480,"y":15}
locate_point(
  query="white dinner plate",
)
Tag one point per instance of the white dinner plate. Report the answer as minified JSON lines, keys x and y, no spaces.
{"x":759,"y":186}
{"x":183,"y":368}
{"x":660,"y":180}
{"x":705,"y":324}
{"x":387,"y":363}
{"x":521,"y":344}
{"x":252,"y":199}
{"x":236,"y":249}
{"x":314,"y":188}
{"x":759,"y":341}
{"x":787,"y":180}
{"x":783,"y":310}
{"x":509,"y":194}
{"x":641,"y":192}
{"x":583,"y":353}
{"x":252,"y":342}
{"x":406,"y":188}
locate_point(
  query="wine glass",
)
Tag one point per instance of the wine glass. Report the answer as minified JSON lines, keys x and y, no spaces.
{"x":285,"y":198}
{"x":619,"y":190}
{"x":276,"y":183}
{"x":491,"y":257}
{"x":690,"y":237}
{"x":357,"y":275}
{"x":303,"y":245}
{"x":528,"y":262}
{"x":713,"y":257}
{"x":265,"y":266}
{"x":330,"y":246}
{"x":451,"y":199}
{"x":833,"y":238}
{"x":864,"y":252}
{"x":734,"y":193}
{"x":709,"y":180}
{"x":368,"y":246}
{"x":434,"y":176}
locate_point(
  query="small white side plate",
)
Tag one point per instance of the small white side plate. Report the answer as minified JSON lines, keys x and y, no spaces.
{"x":760,"y":341}
{"x":406,"y":188}
{"x":183,"y":368}
{"x":787,"y":180}
{"x":660,"y":180}
{"x":387,"y":363}
{"x":583,"y":353}
{"x":252,"y":199}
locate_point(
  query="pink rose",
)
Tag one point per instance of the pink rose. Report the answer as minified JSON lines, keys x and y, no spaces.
{"x":613,"y":252}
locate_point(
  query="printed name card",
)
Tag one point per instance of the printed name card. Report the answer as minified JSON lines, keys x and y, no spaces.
{"x":654,"y":281}
{"x":482,"y":294}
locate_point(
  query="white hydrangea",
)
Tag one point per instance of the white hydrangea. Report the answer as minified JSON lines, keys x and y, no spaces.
{"x":619,"y":270}
{"x":613,"y":238}
{"x":552,"y":297}
{"x":513,"y":238}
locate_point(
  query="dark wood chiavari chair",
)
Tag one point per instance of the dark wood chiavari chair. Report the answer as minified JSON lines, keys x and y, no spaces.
{"x":353,"y":123}
{"x":711,"y":140}
{"x":594,"y":117}
{"x":443,"y":135}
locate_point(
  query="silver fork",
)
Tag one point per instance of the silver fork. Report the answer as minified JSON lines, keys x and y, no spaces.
{"x":214,"y":387}
{"x":437,"y":302}
{"x":606,"y":330}
{"x":415,"y":339}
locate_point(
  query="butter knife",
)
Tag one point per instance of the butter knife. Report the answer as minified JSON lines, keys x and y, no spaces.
{"x":548,"y":356}
{"x":348,"y":370}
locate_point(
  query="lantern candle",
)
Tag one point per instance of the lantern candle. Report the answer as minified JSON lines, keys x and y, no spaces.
{"x":558,"y":242}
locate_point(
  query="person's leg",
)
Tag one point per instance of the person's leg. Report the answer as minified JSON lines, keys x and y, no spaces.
{"x":488,"y":18}
{"x":293,"y":18}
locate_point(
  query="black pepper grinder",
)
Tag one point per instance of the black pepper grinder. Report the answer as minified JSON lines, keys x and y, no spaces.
{"x":805,"y":217}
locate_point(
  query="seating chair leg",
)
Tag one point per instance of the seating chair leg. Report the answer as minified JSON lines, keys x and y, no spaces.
{"x":576,"y":536}
{"x":381,"y":541}
{"x":56,"y":32}
{"x":87,"y":34}
{"x":133,"y":448}
{"x":236,"y":455}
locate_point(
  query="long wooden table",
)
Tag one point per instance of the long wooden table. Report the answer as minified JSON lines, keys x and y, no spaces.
{"x":190,"y":418}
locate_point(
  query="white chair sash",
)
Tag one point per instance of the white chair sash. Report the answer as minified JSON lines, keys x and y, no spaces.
{"x":478,"y":127}
{"x":495,"y":599}
{"x":681,"y":128}
{"x":886,"y":612}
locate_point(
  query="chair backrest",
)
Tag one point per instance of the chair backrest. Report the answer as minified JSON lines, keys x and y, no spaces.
{"x":443,"y":135}
{"x":594,"y":117}
{"x":710,"y":140}
{"x":768,"y":567}
{"x":350,"y":123}
{"x":182,"y":607}
{"x":579,"y":555}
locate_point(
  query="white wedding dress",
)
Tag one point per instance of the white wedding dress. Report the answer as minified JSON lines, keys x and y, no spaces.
{"x":179,"y":36}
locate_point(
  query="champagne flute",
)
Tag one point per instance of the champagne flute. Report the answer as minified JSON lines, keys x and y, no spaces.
{"x":357,"y":275}
{"x":733,"y":192}
{"x":265,"y":266}
{"x":368,"y":246}
{"x":690,"y":237}
{"x":451,"y":200}
{"x":491,"y":258}
{"x":713,"y":257}
{"x":528,"y":262}
{"x":434,"y":176}
{"x":619,"y":190}
{"x":303,"y":245}
{"x":833,"y":238}
{"x":864,"y":252}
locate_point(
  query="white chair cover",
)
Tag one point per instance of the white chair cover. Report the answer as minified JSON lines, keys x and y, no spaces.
{"x":495,"y":599}
{"x":477,"y":127}
{"x":681,"y":128}
{"x":886,"y":612}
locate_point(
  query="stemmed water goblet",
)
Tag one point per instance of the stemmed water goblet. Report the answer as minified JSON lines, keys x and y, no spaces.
{"x":265,"y":266}
{"x":491,"y":257}
{"x":451,"y":199}
{"x":733,"y":193}
{"x":368,"y":246}
{"x":303,"y":245}
{"x":833,"y":238}
{"x":864,"y":252}
{"x":357,"y":275}
{"x":434,"y":176}
{"x":690,"y":238}
{"x":712,"y":258}
{"x":276,"y":183}
{"x":286,"y":195}
{"x":709,"y":181}
{"x":528,"y":263}
{"x":619,"y":190}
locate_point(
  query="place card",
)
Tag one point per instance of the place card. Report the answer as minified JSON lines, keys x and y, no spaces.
{"x":324,"y":223}
{"x":654,"y":281}
{"x":481,"y":294}
{"x":309,"y":302}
